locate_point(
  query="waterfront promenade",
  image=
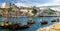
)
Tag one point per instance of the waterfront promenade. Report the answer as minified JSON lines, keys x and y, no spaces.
{"x":54,"y":27}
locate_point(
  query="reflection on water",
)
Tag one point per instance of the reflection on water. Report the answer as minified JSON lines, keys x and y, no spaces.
{"x":33,"y":27}
{"x":7,"y":30}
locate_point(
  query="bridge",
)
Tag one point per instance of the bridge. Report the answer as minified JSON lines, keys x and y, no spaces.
{"x":54,"y":6}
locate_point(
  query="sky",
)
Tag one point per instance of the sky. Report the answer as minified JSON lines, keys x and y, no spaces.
{"x":33,"y":2}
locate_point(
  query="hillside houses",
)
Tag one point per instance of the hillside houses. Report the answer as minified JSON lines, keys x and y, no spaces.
{"x":12,"y":11}
{"x":26,"y":10}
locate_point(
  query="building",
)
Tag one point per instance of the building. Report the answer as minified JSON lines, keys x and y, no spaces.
{"x":26,"y":10}
{"x":0,"y":6}
{"x":5,"y":5}
{"x":5,"y":11}
{"x":15,"y":8}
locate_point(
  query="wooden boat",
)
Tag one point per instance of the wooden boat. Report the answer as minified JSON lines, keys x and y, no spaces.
{"x":6,"y":25}
{"x":30,"y":22}
{"x":55,"y":20}
{"x":43,"y":22}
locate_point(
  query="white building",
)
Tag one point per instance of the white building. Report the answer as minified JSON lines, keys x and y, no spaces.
{"x":26,"y":10}
{"x":5,"y":5}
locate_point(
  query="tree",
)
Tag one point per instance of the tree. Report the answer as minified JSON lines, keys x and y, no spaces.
{"x":34,"y":11}
{"x":48,"y":11}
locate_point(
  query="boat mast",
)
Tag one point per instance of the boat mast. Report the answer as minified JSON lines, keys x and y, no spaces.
{"x":16,"y":16}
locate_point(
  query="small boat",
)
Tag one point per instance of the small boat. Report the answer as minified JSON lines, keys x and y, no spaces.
{"x":30,"y":22}
{"x":55,"y":20}
{"x":44,"y":22}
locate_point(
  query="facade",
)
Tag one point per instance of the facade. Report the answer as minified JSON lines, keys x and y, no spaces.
{"x":5,"y":5}
{"x":26,"y":10}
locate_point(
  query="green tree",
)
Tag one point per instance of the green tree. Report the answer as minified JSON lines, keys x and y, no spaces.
{"x":48,"y":11}
{"x":34,"y":11}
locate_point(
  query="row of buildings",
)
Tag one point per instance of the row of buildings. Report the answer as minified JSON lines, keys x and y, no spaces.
{"x":16,"y":11}
{"x":21,"y":11}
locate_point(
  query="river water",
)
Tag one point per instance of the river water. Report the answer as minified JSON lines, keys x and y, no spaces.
{"x":33,"y":27}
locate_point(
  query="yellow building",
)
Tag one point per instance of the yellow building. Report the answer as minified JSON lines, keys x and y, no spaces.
{"x":5,"y":11}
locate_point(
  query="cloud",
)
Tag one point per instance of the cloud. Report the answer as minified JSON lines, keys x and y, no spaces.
{"x":27,"y":3}
{"x":52,"y":2}
{"x":37,"y":3}
{"x":22,"y":4}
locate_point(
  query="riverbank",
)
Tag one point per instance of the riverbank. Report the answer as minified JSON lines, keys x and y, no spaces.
{"x":54,"y":27}
{"x":38,"y":16}
{"x":50,"y":16}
